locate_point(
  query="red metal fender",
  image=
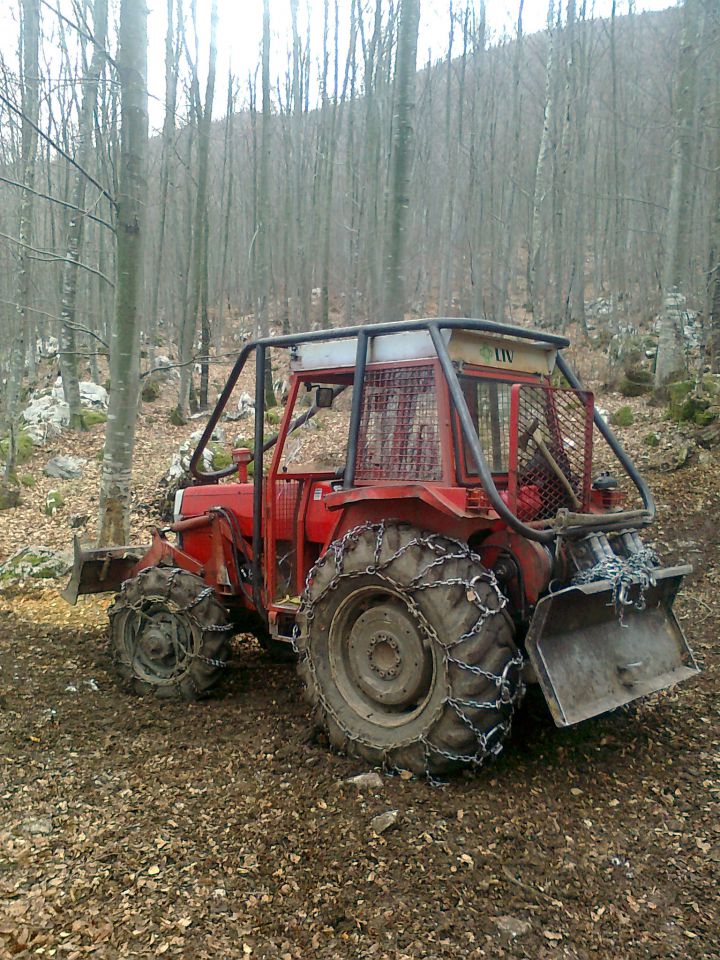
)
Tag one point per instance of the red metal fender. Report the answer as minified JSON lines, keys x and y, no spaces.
{"x":449,"y":500}
{"x":533,"y":559}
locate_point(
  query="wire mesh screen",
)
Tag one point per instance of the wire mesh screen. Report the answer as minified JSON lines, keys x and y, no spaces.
{"x":398,"y":437}
{"x":552,"y":463}
{"x":287,"y":498}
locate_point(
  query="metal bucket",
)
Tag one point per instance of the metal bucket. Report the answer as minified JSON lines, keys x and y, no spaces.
{"x":589,"y":658}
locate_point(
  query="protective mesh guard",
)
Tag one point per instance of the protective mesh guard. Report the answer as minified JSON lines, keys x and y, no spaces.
{"x":287,"y":500}
{"x":562,"y":422}
{"x":398,"y":437}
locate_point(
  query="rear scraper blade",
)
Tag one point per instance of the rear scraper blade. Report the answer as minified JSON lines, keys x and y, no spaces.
{"x":589,"y":661}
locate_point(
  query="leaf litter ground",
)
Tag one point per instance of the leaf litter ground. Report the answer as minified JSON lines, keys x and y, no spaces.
{"x":130,"y":828}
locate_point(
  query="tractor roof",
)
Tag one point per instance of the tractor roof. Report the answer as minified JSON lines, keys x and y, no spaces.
{"x":474,"y":342}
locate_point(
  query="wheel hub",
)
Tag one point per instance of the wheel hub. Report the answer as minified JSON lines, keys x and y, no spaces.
{"x":387,"y":658}
{"x":384,"y":656}
{"x":159,"y":644}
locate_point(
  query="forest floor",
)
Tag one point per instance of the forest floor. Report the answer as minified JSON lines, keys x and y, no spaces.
{"x":131,"y":828}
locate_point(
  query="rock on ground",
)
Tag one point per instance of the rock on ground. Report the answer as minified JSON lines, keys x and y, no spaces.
{"x":513,"y":926}
{"x":34,"y":562}
{"x":65,"y":467}
{"x":366,"y":781}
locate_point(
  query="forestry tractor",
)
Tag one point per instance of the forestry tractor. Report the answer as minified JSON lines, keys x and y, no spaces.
{"x":442,"y":518}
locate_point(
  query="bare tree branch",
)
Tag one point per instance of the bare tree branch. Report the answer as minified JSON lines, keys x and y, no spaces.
{"x":15,"y":109}
{"x":62,"y":203}
{"x":49,"y":257}
{"x":81,"y":328}
{"x":85,"y":32}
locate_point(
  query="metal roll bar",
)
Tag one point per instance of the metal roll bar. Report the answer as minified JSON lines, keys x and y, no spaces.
{"x":434,"y":326}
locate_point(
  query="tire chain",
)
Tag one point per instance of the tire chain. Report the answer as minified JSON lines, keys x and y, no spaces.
{"x":175,"y":609}
{"x":622,"y":574}
{"x":506,"y":695}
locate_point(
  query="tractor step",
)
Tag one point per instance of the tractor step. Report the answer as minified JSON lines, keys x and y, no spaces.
{"x":590,"y":658}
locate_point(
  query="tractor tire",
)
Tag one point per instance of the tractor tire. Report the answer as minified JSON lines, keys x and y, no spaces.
{"x":169,"y":635}
{"x":406,"y":651}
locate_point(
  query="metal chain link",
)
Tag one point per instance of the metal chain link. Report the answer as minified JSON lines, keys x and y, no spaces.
{"x":489,"y":742}
{"x":623,"y":573}
{"x":181,"y":651}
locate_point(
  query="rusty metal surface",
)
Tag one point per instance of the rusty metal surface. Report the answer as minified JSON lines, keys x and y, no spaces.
{"x":589,"y":660}
{"x":100,"y":571}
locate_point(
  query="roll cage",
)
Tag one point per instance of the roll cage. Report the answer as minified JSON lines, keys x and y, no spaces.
{"x":365,"y":335}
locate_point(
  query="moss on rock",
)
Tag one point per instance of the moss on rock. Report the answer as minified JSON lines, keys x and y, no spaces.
{"x":9,"y":495}
{"x":636,"y":382}
{"x":92,"y":417}
{"x":24,"y":447}
{"x":623,"y":417}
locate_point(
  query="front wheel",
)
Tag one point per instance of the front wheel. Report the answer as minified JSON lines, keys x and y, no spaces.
{"x":407,"y":652}
{"x":169,"y":634}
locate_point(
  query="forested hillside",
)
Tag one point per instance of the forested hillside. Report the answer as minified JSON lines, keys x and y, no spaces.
{"x":542,"y":172}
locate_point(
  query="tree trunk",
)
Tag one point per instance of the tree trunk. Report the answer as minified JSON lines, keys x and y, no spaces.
{"x":75,"y":231}
{"x":401,"y":162}
{"x":198,"y":267}
{"x":671,"y":360}
{"x":30,"y":34}
{"x":228,"y":174}
{"x":125,"y":338}
{"x":172,"y":67}
{"x":263,"y":273}
{"x":537,"y":254}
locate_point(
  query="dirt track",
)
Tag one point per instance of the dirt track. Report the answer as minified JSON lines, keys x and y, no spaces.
{"x":219,"y":831}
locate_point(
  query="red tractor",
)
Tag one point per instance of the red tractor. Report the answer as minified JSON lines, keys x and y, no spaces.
{"x":443,"y":539}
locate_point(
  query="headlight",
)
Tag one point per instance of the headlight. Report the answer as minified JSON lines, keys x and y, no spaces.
{"x":177,"y":509}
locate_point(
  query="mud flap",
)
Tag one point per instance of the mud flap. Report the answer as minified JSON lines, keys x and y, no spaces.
{"x":588,"y":661}
{"x":100,"y":571}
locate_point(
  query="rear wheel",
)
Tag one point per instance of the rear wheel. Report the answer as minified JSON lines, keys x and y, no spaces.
{"x":169,"y":635}
{"x":407,"y":652}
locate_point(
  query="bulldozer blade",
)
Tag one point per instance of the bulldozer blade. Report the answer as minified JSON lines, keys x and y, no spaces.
{"x":589,"y":659}
{"x":100,"y":571}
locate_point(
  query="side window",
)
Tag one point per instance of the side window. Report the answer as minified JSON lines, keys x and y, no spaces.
{"x":489,"y":405}
{"x":319,"y":445}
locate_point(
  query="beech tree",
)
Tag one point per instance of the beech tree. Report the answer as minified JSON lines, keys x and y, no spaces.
{"x":125,"y":337}
{"x":401,"y":160}
{"x":30,"y":80}
{"x":76,"y":221}
{"x":671,"y":355}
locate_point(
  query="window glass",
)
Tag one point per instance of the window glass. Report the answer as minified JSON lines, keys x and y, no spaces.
{"x":320,"y":444}
{"x":489,"y":404}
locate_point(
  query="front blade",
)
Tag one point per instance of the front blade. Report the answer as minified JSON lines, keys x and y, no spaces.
{"x":100,"y":571}
{"x":588,"y":661}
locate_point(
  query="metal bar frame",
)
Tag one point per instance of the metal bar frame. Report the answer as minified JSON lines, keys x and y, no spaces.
{"x":434,"y":326}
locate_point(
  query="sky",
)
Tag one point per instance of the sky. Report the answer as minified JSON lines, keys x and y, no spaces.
{"x":240,"y":33}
